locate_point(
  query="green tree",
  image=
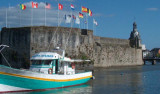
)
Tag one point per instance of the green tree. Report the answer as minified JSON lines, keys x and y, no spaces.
{"x":158,"y":55}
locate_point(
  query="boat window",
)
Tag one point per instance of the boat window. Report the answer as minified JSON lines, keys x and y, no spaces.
{"x":69,"y":64}
{"x":47,"y":62}
{"x":37,"y":62}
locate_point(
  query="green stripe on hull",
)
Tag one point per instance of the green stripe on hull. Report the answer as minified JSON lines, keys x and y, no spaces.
{"x":36,"y":84}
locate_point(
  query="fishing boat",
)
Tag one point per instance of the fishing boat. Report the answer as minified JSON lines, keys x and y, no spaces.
{"x":48,"y":70}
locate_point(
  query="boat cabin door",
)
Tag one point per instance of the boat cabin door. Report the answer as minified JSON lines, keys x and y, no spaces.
{"x":56,"y":67}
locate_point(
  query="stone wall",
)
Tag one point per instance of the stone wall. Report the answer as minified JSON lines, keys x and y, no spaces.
{"x":25,"y":42}
{"x":18,"y":40}
{"x":72,"y":40}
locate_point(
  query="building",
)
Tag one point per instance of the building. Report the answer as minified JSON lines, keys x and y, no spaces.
{"x":156,"y":52}
{"x":143,"y":47}
{"x":146,"y":54}
{"x":135,"y":40}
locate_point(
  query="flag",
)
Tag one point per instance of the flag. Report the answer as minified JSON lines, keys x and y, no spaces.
{"x":90,"y":12}
{"x":77,"y":20}
{"x":60,"y":6}
{"x":72,"y":6}
{"x":84,"y":9}
{"x":22,"y":6}
{"x":48,"y":6}
{"x":80,"y":15}
{"x":34,"y":5}
{"x":74,"y":17}
{"x":95,"y":22}
{"x":68,"y":18}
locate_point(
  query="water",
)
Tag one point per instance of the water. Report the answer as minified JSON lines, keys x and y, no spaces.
{"x":117,"y":80}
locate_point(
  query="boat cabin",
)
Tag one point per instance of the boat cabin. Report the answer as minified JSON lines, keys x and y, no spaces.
{"x":52,"y":63}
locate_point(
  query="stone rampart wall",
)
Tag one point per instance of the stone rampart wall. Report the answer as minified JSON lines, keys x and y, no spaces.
{"x":25,"y":42}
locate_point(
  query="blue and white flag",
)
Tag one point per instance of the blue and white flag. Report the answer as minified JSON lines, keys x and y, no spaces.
{"x":68,"y":18}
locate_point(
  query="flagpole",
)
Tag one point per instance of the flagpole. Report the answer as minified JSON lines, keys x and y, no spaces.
{"x":79,"y":23}
{"x":71,"y":18}
{"x":58,"y":14}
{"x":45,"y":15}
{"x":84,"y":23}
{"x":93,"y":24}
{"x":31,"y":16}
{"x":20,"y":18}
{"x":87,"y":20}
{"x":6,"y":17}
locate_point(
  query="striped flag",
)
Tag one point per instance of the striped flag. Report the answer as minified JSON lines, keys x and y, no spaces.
{"x":84,"y":9}
{"x":72,"y":6}
{"x":90,"y":12}
{"x":22,"y":6}
{"x":80,"y":15}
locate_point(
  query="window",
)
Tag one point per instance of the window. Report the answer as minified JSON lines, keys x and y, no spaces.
{"x":47,"y":62}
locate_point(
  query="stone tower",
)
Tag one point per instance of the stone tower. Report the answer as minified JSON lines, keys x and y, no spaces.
{"x":135,"y":40}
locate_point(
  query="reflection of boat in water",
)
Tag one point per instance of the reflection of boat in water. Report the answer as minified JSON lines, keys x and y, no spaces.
{"x":49,"y":70}
{"x":80,"y":89}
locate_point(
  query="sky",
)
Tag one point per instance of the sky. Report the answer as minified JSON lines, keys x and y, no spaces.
{"x":115,"y":17}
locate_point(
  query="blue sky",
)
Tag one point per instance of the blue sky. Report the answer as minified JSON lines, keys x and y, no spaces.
{"x":114,"y":17}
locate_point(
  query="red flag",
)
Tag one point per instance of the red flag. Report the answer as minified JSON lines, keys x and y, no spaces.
{"x":60,"y":6}
{"x":34,"y":5}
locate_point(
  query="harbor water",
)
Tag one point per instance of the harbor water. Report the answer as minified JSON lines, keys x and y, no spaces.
{"x":117,"y":80}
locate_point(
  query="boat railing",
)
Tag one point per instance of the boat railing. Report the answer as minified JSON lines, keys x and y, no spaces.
{"x":1,"y":49}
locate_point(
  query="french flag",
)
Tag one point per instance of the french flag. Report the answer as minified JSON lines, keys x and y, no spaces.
{"x":72,"y":6}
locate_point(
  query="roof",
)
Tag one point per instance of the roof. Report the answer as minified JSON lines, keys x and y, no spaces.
{"x":46,"y":56}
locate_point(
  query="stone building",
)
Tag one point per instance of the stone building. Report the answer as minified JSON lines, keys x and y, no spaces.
{"x":135,"y":40}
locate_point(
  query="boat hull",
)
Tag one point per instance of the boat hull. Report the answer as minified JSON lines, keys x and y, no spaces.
{"x":13,"y":80}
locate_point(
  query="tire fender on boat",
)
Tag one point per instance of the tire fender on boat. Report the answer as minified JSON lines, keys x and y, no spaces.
{"x":50,"y":71}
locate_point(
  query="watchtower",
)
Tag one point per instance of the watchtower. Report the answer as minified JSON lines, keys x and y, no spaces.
{"x":135,"y":40}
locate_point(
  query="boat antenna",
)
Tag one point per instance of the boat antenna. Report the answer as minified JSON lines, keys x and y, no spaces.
{"x":4,"y":46}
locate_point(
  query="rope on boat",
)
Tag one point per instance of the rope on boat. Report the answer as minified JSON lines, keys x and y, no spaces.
{"x":55,"y":33}
{"x":4,"y":46}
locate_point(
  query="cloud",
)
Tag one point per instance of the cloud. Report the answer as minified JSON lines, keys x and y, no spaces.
{"x":152,"y":9}
{"x":18,"y":18}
